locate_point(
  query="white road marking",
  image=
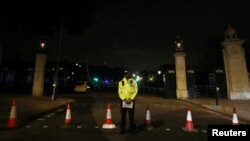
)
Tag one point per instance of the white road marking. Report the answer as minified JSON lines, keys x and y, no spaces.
{"x":204,"y":131}
{"x":227,"y":118}
{"x":40,"y":119}
{"x":231,"y":119}
{"x":45,"y":126}
{"x":28,"y":126}
{"x":60,"y":110}
{"x":78,"y":126}
{"x":50,"y":115}
{"x":167,"y":129}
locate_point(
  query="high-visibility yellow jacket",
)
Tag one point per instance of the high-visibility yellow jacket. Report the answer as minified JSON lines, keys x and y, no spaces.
{"x":127,"y":89}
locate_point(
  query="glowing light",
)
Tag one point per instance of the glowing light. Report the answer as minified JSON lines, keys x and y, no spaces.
{"x":171,"y":71}
{"x":159,"y":72}
{"x":219,"y":71}
{"x":42,"y":45}
{"x":151,"y":78}
{"x":178,"y":44}
{"x":138,"y":78}
{"x":190,"y":71}
{"x":96,"y":79}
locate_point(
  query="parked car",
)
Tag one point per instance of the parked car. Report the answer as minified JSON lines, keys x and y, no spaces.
{"x":81,"y":87}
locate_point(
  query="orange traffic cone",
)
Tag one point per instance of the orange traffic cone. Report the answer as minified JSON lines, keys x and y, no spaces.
{"x":68,"y":115}
{"x":235,"y":120}
{"x":189,"y":123}
{"x":12,"y":123}
{"x":148,"y":122}
{"x":108,"y":124}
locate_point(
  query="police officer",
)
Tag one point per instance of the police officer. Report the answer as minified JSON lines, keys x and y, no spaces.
{"x":127,"y":90}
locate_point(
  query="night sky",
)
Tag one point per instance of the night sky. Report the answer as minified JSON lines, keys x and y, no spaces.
{"x":134,"y":34}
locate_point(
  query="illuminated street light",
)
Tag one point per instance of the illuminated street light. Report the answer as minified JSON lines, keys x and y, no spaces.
{"x":171,"y":71}
{"x":151,"y":78}
{"x":42,"y":45}
{"x":219,"y":71}
{"x":190,"y":71}
{"x":178,"y":44}
{"x":96,"y":79}
{"x":159,"y":72}
{"x":138,"y":78}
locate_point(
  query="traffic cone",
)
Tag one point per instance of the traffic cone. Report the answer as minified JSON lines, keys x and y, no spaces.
{"x":235,"y":120}
{"x":148,"y":122}
{"x":108,"y":123}
{"x":68,"y":116}
{"x":189,"y":123}
{"x":12,"y":123}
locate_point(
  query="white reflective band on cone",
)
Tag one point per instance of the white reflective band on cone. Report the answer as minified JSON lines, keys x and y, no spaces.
{"x":189,"y":116}
{"x":148,"y":115}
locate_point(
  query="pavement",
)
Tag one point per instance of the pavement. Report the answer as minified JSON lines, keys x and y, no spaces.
{"x":29,"y":107}
{"x":224,"y":106}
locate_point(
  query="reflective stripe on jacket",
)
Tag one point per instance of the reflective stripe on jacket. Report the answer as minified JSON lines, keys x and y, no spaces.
{"x":127,"y":89}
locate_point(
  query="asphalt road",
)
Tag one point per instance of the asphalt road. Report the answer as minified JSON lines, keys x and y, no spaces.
{"x":88,"y":113}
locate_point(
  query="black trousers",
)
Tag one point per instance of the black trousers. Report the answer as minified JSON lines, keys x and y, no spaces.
{"x":131,"y":113}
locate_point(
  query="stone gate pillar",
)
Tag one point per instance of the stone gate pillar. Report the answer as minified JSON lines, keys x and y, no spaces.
{"x":180,"y":69}
{"x":40,"y":65}
{"x":235,"y":66}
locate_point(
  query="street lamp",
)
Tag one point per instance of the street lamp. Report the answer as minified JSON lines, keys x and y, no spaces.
{"x":178,"y":44}
{"x":53,"y":98}
{"x":219,"y":71}
{"x":217,"y":81}
{"x":171,"y":71}
{"x":190,"y":71}
{"x":159,"y":72}
{"x":42,"y":45}
{"x":151,"y":78}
